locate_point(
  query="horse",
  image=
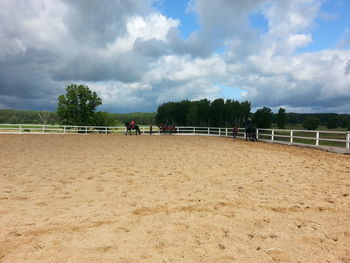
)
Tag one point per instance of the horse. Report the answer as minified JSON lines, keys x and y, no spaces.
{"x":132,"y":127}
{"x":167,"y":128}
{"x":250,"y":133}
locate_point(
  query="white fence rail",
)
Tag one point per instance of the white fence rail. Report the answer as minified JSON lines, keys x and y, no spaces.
{"x":57,"y":129}
{"x":339,"y":139}
{"x":318,"y":138}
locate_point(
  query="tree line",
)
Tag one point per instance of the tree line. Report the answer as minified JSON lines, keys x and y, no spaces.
{"x":330,"y":120}
{"x":27,"y":116}
{"x":11,"y":116}
{"x":217,"y":113}
{"x":231,"y":113}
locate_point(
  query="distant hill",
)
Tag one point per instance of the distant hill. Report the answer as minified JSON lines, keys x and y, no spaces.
{"x":25,"y":116}
{"x":338,"y":120}
{"x":29,"y":116}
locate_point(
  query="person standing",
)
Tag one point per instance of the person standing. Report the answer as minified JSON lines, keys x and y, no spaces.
{"x":150,"y":129}
{"x":234,"y":132}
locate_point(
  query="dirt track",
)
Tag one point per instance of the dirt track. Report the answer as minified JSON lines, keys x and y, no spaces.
{"x":106,"y":198}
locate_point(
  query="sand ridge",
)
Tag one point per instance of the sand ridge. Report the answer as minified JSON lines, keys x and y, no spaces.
{"x":115,"y":198}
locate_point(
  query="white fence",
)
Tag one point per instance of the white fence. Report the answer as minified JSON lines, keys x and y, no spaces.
{"x":57,"y":129}
{"x":340,"y":139}
{"x":317,"y":138}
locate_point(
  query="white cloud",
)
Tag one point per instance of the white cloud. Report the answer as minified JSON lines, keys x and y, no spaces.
{"x":213,"y":67}
{"x":155,"y":26}
{"x":291,"y":16}
{"x":299,"y":40}
{"x":32,"y":24}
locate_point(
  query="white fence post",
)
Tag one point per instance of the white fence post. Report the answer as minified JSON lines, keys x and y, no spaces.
{"x":226,"y":132}
{"x":85,"y":130}
{"x":291,"y":136}
{"x":43,"y":128}
{"x":257,"y":134}
{"x":219,"y":131}
{"x":317,"y":138}
{"x":272,"y":135}
{"x":208,"y":130}
{"x":347,"y":139}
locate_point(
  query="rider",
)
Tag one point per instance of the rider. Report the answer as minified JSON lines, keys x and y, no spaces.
{"x":132,"y":124}
{"x":250,"y":130}
{"x":248,"y":124}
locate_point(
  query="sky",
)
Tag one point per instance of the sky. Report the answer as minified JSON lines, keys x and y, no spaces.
{"x":138,"y":54}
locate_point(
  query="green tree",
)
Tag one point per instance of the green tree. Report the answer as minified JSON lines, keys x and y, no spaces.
{"x":78,"y":105}
{"x":180,"y":112}
{"x":311,"y":123}
{"x":332,"y":123}
{"x":344,"y":120}
{"x":192,"y":117}
{"x":203,"y":112}
{"x":217,"y":113}
{"x":281,"y":118}
{"x":263,"y":117}
{"x":104,"y":119}
{"x":245,"y":108}
{"x":164,"y":113}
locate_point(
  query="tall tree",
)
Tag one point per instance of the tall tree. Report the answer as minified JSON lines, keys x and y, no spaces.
{"x":263,"y":117}
{"x":217,"y":113}
{"x":181,"y":111}
{"x":203,"y":112}
{"x":245,"y":108}
{"x":164,"y":113}
{"x":78,"y":105}
{"x":281,"y":118}
{"x":192,"y":117}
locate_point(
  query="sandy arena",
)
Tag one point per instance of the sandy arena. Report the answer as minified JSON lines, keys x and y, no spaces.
{"x":167,"y":199}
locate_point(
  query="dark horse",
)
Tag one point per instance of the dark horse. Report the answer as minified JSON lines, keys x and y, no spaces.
{"x":132,"y":127}
{"x":250,"y":133}
{"x":167,"y":128}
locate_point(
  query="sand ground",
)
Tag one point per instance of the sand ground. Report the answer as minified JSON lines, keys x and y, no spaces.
{"x":115,"y":198}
